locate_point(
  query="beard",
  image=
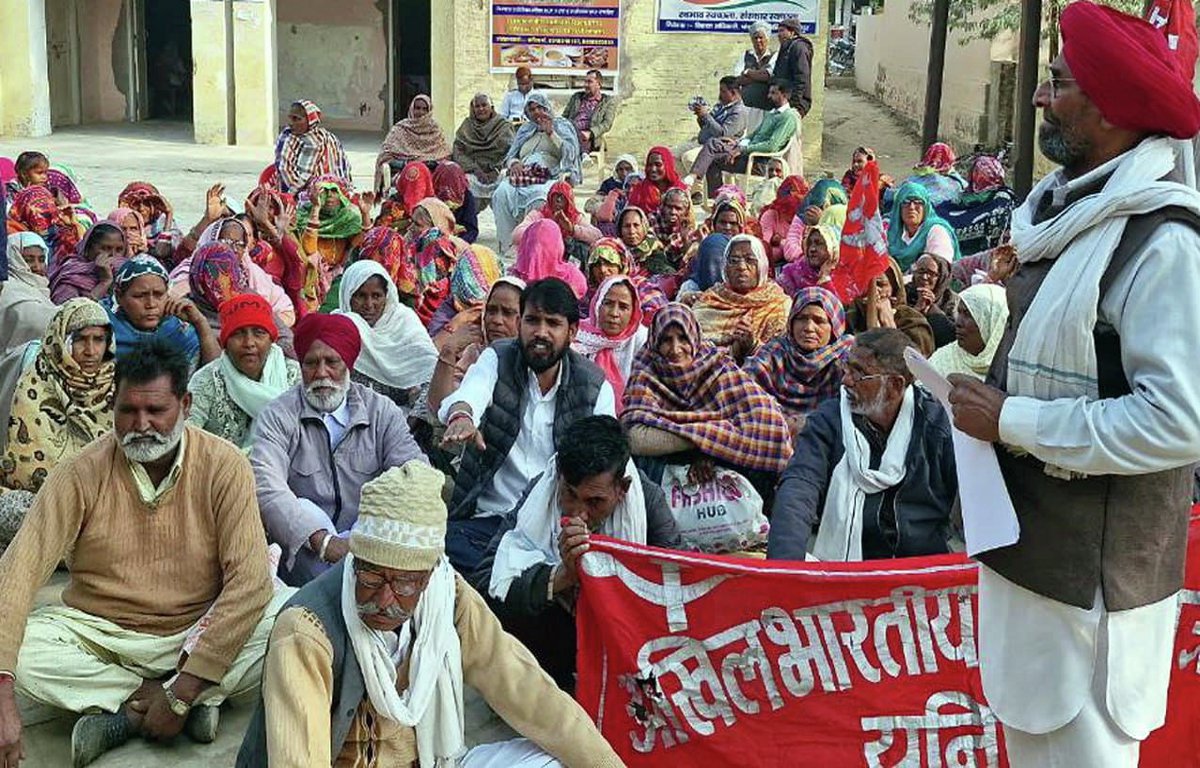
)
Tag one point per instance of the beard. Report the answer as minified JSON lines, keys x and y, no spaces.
{"x":330,"y":401}
{"x":149,"y":446}
{"x":873,"y":407}
{"x":1059,"y":144}
{"x":541,"y":358}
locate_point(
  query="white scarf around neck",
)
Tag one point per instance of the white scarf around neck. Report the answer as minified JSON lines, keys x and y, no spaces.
{"x":839,"y":536}
{"x":1054,"y":355}
{"x":433,"y":702}
{"x":534,"y":540}
{"x":252,"y":396}
{"x":397,"y":351}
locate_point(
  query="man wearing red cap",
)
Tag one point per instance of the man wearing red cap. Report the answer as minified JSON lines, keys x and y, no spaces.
{"x":1094,"y":407}
{"x":315,"y":446}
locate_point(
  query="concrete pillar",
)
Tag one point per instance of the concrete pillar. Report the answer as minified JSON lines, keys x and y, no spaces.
{"x":212,"y":90}
{"x":256,"y":99}
{"x":24,"y":83}
{"x":443,"y":55}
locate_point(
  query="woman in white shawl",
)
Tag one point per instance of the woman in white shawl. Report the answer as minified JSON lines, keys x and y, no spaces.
{"x":397,"y":357}
{"x":25,"y":305}
{"x":230,"y":392}
{"x":979,"y":325}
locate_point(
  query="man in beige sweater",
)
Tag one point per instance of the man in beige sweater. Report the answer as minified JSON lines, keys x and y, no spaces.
{"x":367,"y":662}
{"x":163,"y":615}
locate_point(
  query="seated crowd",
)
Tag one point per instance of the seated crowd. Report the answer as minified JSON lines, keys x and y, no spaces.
{"x":332,"y":412}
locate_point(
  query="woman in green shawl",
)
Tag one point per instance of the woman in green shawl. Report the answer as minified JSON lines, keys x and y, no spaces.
{"x":328,"y":225}
{"x":917,"y":229}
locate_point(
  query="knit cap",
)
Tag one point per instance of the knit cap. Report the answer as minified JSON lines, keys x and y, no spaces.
{"x":401,"y":519}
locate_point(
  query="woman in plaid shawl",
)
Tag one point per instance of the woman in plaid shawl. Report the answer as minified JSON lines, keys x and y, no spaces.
{"x":686,"y":396}
{"x":306,"y":149}
{"x":804,"y":367}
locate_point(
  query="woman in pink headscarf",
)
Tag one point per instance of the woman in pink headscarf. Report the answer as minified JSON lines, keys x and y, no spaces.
{"x":613,"y":332}
{"x":133,"y":225}
{"x":540,"y":255}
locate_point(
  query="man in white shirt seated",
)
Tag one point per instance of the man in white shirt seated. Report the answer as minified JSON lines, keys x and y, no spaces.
{"x":511,"y":411}
{"x":512,"y":107}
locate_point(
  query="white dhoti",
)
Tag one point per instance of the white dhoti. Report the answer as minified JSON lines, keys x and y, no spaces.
{"x":510,"y":204}
{"x":1073,"y":686}
{"x":518,"y":753}
{"x":83,"y":663}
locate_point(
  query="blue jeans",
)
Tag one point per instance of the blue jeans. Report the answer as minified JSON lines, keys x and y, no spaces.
{"x":467,"y":541}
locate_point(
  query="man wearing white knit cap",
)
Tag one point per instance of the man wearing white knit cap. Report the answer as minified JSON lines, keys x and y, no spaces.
{"x":366,"y":663}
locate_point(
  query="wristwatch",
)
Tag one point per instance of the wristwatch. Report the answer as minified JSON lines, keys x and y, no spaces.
{"x":177,"y":705}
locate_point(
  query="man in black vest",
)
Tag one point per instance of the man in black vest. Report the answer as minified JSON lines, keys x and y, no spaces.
{"x":511,"y":411}
{"x":1094,"y":406}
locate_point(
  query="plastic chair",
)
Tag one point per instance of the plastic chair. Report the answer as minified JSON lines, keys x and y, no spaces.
{"x":792,"y":156}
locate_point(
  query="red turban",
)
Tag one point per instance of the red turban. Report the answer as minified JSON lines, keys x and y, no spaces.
{"x":1126,"y":68}
{"x":243,"y":311}
{"x":338,"y":331}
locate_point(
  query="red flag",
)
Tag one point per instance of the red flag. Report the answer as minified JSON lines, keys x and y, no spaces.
{"x":700,"y":660}
{"x":1177,"y":20}
{"x":864,"y":253}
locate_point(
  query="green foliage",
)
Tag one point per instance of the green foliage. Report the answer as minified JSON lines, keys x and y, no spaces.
{"x":985,"y":19}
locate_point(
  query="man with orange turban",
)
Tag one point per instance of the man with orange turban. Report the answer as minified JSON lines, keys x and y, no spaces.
{"x":1094,"y":406}
{"x":315,"y":446}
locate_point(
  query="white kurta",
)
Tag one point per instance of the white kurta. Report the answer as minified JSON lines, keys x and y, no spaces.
{"x":1037,"y":655}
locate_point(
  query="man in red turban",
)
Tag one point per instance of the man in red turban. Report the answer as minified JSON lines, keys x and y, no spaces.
{"x":1094,"y":407}
{"x":315,"y":446}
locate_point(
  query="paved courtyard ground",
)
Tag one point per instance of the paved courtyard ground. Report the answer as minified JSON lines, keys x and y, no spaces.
{"x":106,"y":157}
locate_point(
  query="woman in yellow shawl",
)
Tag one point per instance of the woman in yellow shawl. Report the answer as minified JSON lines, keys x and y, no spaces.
{"x":747,"y":308}
{"x":61,"y":403}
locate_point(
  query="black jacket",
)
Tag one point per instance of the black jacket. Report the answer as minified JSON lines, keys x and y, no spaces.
{"x":527,"y":595}
{"x":794,"y":64}
{"x":911,"y":519}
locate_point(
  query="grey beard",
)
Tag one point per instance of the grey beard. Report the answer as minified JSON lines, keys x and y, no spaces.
{"x":1057,"y":147}
{"x":331,"y":402}
{"x":873,"y":408}
{"x":145,"y":447}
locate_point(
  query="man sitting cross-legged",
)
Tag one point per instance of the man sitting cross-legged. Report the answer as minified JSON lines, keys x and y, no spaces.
{"x":367,"y":662}
{"x":532,"y":565}
{"x":159,"y":526}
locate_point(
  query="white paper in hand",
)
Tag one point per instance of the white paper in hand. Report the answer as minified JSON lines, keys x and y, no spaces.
{"x":989,"y":520}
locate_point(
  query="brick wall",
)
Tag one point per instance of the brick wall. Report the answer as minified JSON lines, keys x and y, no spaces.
{"x":659,"y":73}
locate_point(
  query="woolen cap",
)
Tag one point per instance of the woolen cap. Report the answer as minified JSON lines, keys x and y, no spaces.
{"x":246,"y":310}
{"x":401,"y":519}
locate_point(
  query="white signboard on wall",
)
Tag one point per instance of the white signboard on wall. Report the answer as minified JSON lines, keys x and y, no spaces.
{"x":732,"y":16}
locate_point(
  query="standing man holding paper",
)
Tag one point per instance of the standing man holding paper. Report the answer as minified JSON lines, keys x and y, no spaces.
{"x":1094,"y":406}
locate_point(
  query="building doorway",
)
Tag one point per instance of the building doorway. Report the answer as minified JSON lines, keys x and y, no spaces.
{"x":62,"y":62}
{"x":166,"y":60}
{"x":411,"y":25}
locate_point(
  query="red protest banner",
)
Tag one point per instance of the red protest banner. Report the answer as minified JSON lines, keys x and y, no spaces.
{"x":863,"y":253}
{"x":695,"y":660}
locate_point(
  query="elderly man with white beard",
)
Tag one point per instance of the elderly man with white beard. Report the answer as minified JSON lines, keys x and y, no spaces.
{"x":168,"y":605}
{"x":315,"y":446}
{"x":873,"y":473}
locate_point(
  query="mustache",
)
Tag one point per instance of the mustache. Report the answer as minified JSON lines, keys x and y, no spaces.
{"x":325,"y":383}
{"x":390,"y":612}
{"x":149,"y":435}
